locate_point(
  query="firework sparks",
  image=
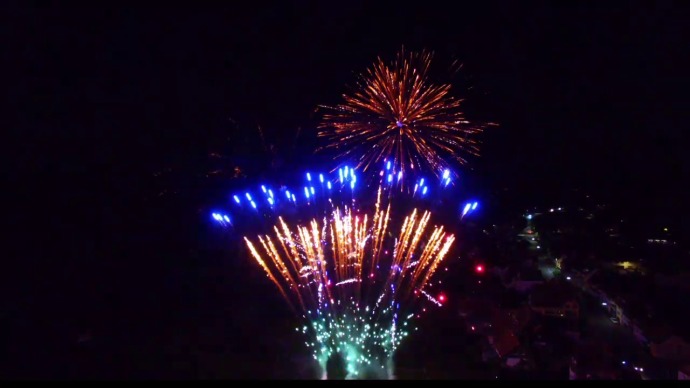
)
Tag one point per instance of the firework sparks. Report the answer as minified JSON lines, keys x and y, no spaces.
{"x":396,"y":113}
{"x":354,"y":294}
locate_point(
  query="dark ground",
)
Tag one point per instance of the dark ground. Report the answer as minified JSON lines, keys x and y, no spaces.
{"x":133,"y":288}
{"x":441,"y":349}
{"x":162,"y":295}
{"x":155,"y":297}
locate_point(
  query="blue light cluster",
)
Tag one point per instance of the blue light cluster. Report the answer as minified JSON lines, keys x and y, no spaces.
{"x":469,"y":208}
{"x":222,"y":219}
{"x":344,"y":183}
{"x":391,"y":176}
{"x":347,"y":176}
{"x":446,"y":178}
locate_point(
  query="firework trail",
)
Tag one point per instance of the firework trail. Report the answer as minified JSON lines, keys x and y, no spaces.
{"x":396,"y":113}
{"x":354,"y":284}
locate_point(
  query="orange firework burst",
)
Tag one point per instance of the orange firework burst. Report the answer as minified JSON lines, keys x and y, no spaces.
{"x":305,"y":261}
{"x":396,"y":113}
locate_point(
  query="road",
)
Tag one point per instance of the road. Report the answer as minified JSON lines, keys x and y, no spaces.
{"x":600,"y":327}
{"x":627,"y":351}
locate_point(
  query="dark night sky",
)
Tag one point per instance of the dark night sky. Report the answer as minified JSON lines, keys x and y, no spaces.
{"x":586,"y":95}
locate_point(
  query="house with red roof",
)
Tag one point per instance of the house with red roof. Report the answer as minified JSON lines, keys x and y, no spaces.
{"x":555,"y":299}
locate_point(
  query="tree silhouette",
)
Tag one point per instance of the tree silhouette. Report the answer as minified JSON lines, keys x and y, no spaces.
{"x":335,"y":367}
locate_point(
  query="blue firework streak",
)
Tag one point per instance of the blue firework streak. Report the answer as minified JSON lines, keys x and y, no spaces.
{"x":319,"y":193}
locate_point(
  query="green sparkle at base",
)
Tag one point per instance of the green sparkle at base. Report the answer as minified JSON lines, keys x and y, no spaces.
{"x":356,"y":346}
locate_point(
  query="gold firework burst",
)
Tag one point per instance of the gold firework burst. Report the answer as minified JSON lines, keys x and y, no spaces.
{"x":395,"y":113}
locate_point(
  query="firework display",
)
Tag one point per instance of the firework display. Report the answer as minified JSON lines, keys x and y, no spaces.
{"x":353,"y":282}
{"x":357,"y":274}
{"x":353,"y":251}
{"x":397,"y":113}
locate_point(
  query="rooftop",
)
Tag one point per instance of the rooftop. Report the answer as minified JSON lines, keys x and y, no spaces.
{"x":476,"y":307}
{"x":505,"y":342}
{"x":594,"y":358}
{"x":503,"y":327}
{"x":554,"y":293}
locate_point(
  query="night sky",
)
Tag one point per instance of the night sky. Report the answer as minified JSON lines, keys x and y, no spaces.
{"x":586,"y":96}
{"x":591,"y":97}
